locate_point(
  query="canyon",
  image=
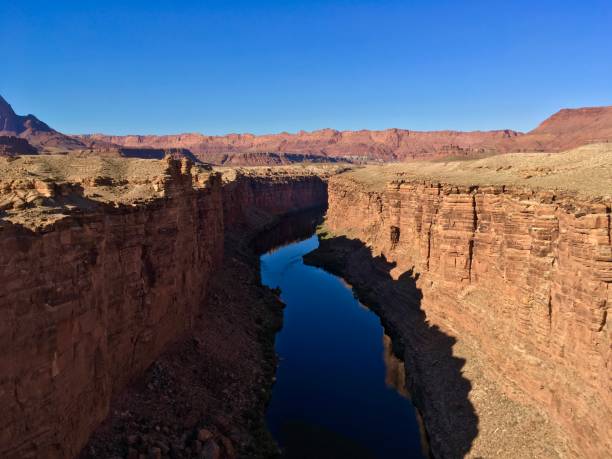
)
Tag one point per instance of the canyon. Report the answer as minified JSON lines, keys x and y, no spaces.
{"x":104,"y":264}
{"x":131,"y":299}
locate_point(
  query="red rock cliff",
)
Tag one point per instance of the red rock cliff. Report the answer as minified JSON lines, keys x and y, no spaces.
{"x":247,"y":192}
{"x":96,"y":285}
{"x":90,"y":301}
{"x":522,"y":276}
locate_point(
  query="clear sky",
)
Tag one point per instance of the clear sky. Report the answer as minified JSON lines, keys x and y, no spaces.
{"x":269,"y":66}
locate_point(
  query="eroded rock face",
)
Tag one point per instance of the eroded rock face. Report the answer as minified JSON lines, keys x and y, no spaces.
{"x":90,"y":302}
{"x":92,"y":294}
{"x":249,"y":191}
{"x":568,"y":128}
{"x":522,"y":276}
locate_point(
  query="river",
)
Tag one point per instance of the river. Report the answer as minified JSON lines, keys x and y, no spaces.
{"x":339,"y":391}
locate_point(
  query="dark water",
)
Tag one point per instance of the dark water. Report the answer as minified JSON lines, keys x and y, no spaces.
{"x":339,"y":390}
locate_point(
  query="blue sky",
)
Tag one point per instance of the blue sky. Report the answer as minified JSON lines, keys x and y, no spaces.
{"x":265,"y":66}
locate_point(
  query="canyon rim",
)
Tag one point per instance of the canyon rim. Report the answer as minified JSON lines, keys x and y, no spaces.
{"x":306,"y":230}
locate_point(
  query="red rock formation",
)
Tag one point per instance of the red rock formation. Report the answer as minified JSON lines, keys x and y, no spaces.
{"x":566,"y":129}
{"x":247,"y":192}
{"x":522,"y":276}
{"x":570,"y":128}
{"x":90,"y":300}
{"x":389,"y":145}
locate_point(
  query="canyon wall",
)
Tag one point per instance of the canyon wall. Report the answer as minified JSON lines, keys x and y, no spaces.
{"x":90,"y":301}
{"x":522,"y":276}
{"x":249,"y":192}
{"x":91,"y":298}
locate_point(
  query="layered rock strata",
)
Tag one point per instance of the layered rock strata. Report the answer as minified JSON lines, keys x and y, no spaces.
{"x":519,"y":276}
{"x":90,"y":301}
{"x":251,"y":194}
{"x":104,"y":264}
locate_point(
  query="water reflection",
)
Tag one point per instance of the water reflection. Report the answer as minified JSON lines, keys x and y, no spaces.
{"x":395,"y":376}
{"x":335,"y":397}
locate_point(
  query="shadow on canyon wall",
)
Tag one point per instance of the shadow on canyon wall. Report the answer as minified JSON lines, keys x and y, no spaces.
{"x":288,"y":229}
{"x":434,"y":376}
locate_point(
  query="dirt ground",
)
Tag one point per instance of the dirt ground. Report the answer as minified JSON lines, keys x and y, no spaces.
{"x":585,"y":170}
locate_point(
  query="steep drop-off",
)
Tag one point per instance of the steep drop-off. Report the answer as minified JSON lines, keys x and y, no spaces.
{"x":90,"y":300}
{"x":104,"y":263}
{"x":499,"y":293}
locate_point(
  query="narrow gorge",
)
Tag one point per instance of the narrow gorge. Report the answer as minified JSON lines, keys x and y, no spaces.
{"x":135,"y":322}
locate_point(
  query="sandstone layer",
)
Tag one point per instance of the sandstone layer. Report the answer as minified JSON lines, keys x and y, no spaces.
{"x":502,"y":278}
{"x":104,"y":264}
{"x":209,"y":393}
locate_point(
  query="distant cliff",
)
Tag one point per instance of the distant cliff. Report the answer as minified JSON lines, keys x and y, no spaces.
{"x":566,"y":129}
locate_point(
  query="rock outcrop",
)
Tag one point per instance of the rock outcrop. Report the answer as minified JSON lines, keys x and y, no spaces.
{"x":570,"y":128}
{"x":90,"y":301}
{"x":104,"y":263}
{"x":519,"y":275}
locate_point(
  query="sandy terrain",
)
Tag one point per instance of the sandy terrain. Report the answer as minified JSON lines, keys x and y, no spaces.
{"x":586,"y":170}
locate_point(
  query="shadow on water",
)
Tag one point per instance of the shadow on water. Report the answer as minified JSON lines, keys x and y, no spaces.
{"x":331,"y":399}
{"x":432,"y":375}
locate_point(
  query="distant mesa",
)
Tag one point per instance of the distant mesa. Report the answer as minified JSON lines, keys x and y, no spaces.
{"x":566,"y":129}
{"x":570,"y":128}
